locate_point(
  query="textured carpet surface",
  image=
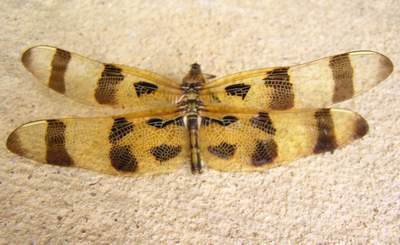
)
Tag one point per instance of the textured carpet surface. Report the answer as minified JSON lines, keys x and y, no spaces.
{"x":352,"y":195}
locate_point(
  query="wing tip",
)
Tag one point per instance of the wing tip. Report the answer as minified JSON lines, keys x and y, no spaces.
{"x":361,"y":128}
{"x":14,"y":143}
{"x":386,"y":67}
{"x":26,"y":57}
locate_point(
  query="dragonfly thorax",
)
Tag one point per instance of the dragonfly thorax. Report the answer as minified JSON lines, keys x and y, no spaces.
{"x":190,"y":103}
{"x":192,"y":83}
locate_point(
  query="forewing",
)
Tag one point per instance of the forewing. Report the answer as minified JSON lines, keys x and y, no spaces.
{"x":123,"y":145}
{"x":93,"y":82}
{"x":251,"y":142}
{"x":315,"y":84}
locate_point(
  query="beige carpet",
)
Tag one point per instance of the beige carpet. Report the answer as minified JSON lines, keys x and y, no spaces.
{"x":350,"y":196}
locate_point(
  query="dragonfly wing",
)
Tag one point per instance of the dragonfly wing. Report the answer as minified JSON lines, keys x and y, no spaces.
{"x":96,"y":83}
{"x":315,"y":84}
{"x":123,"y":145}
{"x":251,"y":142}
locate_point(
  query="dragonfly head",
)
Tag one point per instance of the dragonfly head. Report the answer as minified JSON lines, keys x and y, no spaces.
{"x":194,"y":79}
{"x":195,"y":68}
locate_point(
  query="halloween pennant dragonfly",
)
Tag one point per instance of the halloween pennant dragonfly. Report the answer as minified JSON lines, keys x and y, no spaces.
{"x":248,"y":121}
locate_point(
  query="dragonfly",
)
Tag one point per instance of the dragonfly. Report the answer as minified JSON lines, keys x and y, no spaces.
{"x":249,"y":121}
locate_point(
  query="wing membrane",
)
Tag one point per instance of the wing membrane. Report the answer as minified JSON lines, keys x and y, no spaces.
{"x":315,"y":84}
{"x":123,"y":145}
{"x":93,"y":82}
{"x":251,"y":142}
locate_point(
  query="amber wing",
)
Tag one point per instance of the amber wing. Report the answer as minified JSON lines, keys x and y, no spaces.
{"x":251,"y":142}
{"x":315,"y":84}
{"x":96,"y":83}
{"x":121,"y":145}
